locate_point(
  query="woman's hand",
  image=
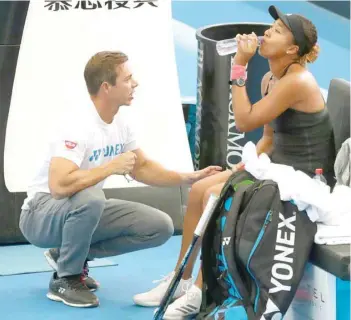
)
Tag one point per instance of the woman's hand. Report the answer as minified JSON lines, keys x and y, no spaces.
{"x":247,"y":47}
{"x":239,"y":167}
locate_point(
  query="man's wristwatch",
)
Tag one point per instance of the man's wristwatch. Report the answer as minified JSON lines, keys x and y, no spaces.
{"x":240,"y":82}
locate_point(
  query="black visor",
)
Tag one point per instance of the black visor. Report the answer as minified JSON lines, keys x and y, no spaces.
{"x":294,"y":24}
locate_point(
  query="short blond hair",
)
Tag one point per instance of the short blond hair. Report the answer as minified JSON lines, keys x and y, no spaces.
{"x":102,"y":68}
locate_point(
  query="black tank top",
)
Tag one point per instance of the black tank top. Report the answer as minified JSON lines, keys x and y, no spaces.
{"x":304,"y":141}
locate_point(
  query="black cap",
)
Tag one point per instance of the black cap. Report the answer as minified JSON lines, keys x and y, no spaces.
{"x":294,"y":24}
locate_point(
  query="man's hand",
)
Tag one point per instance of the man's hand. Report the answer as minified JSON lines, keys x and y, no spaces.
{"x":123,"y":163}
{"x":191,"y":178}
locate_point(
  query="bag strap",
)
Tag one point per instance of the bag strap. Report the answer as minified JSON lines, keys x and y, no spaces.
{"x":236,"y":184}
{"x":209,"y":280}
{"x":236,"y":178}
{"x":241,"y":188}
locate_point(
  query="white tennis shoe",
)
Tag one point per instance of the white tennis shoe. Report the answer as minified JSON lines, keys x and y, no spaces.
{"x":185,"y":307}
{"x":154,"y":297}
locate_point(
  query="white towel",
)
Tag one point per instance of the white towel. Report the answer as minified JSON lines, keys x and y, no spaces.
{"x":332,"y":211}
{"x":307,"y":193}
{"x":332,"y":235}
{"x":340,"y":209}
{"x":336,"y":227}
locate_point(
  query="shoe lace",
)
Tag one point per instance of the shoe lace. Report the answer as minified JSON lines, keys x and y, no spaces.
{"x":164,"y":278}
{"x":85,"y":272}
{"x":76,"y":284}
{"x":189,"y":298}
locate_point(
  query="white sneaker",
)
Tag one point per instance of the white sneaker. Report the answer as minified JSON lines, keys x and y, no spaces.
{"x":154,"y":297}
{"x":188,"y":305}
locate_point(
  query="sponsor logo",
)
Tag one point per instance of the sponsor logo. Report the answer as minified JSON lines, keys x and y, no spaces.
{"x":200,"y":61}
{"x":235,"y":142}
{"x":89,"y":5}
{"x":108,"y":151}
{"x":282,"y":270}
{"x":70,"y":144}
{"x":226,"y":241}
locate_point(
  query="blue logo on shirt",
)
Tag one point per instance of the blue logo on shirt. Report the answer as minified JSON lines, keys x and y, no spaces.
{"x":107,"y":151}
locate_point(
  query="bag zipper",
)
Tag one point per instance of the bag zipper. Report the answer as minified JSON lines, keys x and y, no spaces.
{"x":247,"y":209}
{"x":257,"y":242}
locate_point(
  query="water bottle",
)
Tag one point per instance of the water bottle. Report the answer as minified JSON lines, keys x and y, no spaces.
{"x":229,"y":46}
{"x":319,"y":176}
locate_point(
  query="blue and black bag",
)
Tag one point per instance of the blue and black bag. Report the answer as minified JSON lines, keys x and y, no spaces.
{"x":254,"y":252}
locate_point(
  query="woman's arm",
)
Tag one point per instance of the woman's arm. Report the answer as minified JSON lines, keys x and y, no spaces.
{"x":286,"y":93}
{"x":265,"y":144}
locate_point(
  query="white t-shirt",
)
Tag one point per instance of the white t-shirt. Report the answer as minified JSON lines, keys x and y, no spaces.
{"x":86,"y":140}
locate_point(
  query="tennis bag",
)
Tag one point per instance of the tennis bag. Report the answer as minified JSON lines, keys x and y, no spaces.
{"x":254,"y":252}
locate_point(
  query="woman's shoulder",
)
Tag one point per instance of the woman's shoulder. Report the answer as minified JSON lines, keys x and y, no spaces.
{"x":300,"y":73}
{"x":305,"y":86}
{"x":300,"y":79}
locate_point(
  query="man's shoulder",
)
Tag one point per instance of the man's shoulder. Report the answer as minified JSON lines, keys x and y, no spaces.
{"x":73,"y":124}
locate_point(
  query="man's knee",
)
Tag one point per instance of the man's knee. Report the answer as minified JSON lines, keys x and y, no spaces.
{"x":160,"y":228}
{"x":91,"y":200}
{"x":165,"y":227}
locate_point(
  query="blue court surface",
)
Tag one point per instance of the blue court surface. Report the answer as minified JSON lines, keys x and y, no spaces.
{"x":23,"y":296}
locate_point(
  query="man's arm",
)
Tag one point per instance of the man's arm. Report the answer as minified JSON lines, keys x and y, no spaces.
{"x":152,"y":173}
{"x":66,"y":178}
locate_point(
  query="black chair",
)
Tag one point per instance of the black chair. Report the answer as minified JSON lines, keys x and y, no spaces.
{"x":336,"y":259}
{"x":338,"y":104}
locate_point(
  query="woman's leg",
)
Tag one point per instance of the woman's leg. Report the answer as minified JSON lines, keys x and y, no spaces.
{"x":199,"y":280}
{"x":212,"y":190}
{"x":198,"y":197}
{"x":199,"y":192}
{"x":188,"y":303}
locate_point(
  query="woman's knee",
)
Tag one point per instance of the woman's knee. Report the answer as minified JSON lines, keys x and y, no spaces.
{"x":214,"y":190}
{"x":199,"y":188}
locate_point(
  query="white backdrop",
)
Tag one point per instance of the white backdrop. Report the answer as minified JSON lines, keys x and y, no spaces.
{"x":49,"y":82}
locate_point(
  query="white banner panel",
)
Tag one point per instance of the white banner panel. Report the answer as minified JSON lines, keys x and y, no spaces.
{"x":49,"y":80}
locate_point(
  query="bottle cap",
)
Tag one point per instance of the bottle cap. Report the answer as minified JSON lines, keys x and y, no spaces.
{"x":319,"y":171}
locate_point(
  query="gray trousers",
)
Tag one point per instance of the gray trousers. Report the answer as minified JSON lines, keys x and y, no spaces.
{"x":87,"y":225}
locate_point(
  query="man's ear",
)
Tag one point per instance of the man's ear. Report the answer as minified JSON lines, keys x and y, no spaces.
{"x":105,"y":87}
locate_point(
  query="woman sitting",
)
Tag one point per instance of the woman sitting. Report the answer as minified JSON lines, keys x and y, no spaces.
{"x":297,"y":132}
